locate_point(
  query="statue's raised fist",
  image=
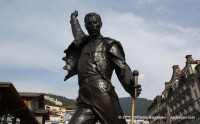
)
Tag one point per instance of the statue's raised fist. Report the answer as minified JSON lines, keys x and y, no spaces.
{"x":74,"y":14}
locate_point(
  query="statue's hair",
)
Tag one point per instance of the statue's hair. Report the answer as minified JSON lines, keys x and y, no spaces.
{"x":92,"y":14}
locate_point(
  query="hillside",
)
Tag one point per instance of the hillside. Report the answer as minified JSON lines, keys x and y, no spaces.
{"x":65,"y":101}
{"x":141,"y":104}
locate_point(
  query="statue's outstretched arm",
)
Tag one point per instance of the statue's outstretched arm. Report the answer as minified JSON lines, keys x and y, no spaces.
{"x":76,"y":28}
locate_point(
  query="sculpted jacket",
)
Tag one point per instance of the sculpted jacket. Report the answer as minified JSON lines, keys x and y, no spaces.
{"x":108,"y":56}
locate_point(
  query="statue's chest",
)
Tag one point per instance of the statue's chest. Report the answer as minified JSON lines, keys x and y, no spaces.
{"x":96,"y":50}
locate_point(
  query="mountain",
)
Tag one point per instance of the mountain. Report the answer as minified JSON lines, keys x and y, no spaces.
{"x":65,"y":101}
{"x":141,"y":105}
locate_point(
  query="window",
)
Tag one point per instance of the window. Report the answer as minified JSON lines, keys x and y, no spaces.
{"x":181,"y":90}
{"x":174,"y":86}
{"x":187,"y":98}
{"x":34,"y":104}
{"x":180,"y":113}
{"x":185,"y":111}
{"x":193,"y":106}
{"x":195,"y":92}
{"x":192,"y":83}
{"x":199,"y":103}
{"x":187,"y":108}
{"x":199,"y":79}
{"x":183,"y":101}
{"x":184,"y":87}
{"x":170,"y":110}
{"x":172,"y":98}
{"x":174,"y":107}
{"x":187,"y":73}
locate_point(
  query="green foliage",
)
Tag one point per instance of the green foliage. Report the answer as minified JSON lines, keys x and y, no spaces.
{"x":141,"y":105}
{"x":65,"y":101}
{"x":47,"y":102}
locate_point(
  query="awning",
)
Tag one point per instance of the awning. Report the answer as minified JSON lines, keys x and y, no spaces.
{"x":11,"y":103}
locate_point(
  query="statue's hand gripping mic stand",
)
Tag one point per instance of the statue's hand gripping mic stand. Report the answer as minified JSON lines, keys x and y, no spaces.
{"x":135,"y":76}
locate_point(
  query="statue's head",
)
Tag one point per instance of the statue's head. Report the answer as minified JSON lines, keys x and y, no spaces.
{"x":93,"y":24}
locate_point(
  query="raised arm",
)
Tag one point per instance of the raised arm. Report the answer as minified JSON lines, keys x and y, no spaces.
{"x":76,"y":28}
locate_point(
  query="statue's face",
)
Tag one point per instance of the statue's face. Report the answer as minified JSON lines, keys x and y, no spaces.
{"x":93,"y":26}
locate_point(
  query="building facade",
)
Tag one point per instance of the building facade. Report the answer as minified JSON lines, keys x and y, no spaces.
{"x":179,"y":103}
{"x":55,"y":101}
{"x":35,"y":102}
{"x":56,"y":113}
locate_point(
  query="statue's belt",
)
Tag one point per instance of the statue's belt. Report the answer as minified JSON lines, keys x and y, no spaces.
{"x":93,"y":80}
{"x":89,"y":79}
{"x":96,"y":83}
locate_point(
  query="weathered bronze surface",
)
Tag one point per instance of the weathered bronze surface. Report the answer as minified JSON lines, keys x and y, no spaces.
{"x":94,"y":57}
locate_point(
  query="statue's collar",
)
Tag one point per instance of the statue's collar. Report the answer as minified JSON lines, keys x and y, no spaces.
{"x":98,"y":37}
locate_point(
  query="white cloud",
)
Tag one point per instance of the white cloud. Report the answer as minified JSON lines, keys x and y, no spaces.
{"x":32,"y":86}
{"x":29,"y":55}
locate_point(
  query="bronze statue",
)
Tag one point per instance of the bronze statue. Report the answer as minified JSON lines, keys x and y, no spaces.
{"x":94,"y":57}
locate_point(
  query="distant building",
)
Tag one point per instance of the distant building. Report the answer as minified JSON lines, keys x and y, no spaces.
{"x":58,"y":102}
{"x":55,"y":101}
{"x":56,"y":113}
{"x":35,"y":102}
{"x":179,"y":103}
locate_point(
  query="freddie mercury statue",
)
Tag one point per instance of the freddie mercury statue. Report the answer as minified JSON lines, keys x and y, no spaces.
{"x":94,"y":57}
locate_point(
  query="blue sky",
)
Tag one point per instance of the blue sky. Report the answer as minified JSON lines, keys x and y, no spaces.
{"x":155,"y":34}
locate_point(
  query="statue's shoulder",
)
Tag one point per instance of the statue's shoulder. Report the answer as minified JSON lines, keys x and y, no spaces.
{"x":82,"y":41}
{"x":111,"y":41}
{"x":115,"y":47}
{"x":76,"y":45}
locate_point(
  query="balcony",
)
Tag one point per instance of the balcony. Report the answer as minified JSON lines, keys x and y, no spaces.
{"x":187,"y":103}
{"x":179,"y":96}
{"x":193,"y":112}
